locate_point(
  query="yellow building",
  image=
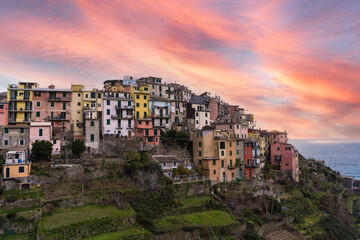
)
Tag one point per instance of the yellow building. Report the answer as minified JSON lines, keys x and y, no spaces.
{"x":215,"y":151}
{"x":20,"y":98}
{"x":83,"y":99}
{"x":17,"y":167}
{"x":141,"y":98}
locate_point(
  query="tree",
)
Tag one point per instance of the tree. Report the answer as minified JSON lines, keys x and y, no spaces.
{"x":181,"y":171}
{"x":77,"y":148}
{"x":41,"y":151}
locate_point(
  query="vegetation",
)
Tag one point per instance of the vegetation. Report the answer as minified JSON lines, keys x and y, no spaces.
{"x":122,"y":234}
{"x":176,"y":138}
{"x":181,"y":171}
{"x":77,"y":148}
{"x":41,"y":151}
{"x":194,"y":201}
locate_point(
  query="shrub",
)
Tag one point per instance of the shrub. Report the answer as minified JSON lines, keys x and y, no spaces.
{"x":11,"y":198}
{"x":41,"y":151}
{"x":77,"y":148}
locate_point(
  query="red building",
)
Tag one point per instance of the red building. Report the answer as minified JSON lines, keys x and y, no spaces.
{"x":277,"y":137}
{"x":283,"y":154}
{"x":251,"y":158}
{"x":4,"y":113}
{"x":145,"y":130}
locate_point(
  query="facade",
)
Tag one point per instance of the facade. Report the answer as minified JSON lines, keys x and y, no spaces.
{"x":53,"y":105}
{"x":14,"y":138}
{"x":284,"y":155}
{"x":42,"y":131}
{"x":20,"y":97}
{"x":251,"y":158}
{"x":16,"y":170}
{"x":4,"y":113}
{"x":215,"y":151}
{"x":129,"y":80}
{"x":77,"y":111}
{"x":118,"y":114}
{"x":160,"y":112}
{"x":240,"y":129}
{"x":141,"y":99}
{"x":168,"y":163}
{"x":92,"y":130}
{"x":277,"y":137}
{"x":198,"y":110}
{"x":144,"y":130}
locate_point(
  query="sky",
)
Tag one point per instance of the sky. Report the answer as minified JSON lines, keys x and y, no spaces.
{"x":294,"y":64}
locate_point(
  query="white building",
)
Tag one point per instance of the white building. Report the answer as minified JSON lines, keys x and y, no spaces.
{"x":160,"y":112}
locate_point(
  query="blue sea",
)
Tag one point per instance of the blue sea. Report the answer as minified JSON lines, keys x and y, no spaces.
{"x":340,"y":155}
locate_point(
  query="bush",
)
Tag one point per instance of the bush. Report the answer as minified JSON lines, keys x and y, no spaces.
{"x":77,"y":148}
{"x":41,"y":151}
{"x":11,"y":198}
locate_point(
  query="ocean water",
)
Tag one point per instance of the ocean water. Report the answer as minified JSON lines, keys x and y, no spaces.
{"x":340,"y":155}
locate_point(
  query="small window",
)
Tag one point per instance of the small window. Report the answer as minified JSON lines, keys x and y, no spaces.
{"x":37,"y":114}
{"x":174,"y":163}
{"x":52,"y":104}
{"x":137,"y":104}
{"x":21,"y":142}
{"x":21,"y":169}
{"x":230,"y":153}
{"x":64,"y":95}
{"x":6,"y":130}
{"x":222,"y":145}
{"x":199,"y":153}
{"x":6,"y":142}
{"x":214,"y":162}
{"x":214,"y":171}
{"x":200,"y":144}
{"x":145,"y":97}
{"x":79,"y":104}
{"x":40,"y":132}
{"x":222,"y":153}
{"x":92,"y":137}
{"x":38,"y":104}
{"x":278,"y":148}
{"x":137,"y":96}
{"x":22,"y":130}
{"x":200,"y":162}
{"x":108,"y":102}
{"x":92,"y":123}
{"x":107,"y":111}
{"x":99,"y":95}
{"x":108,"y":121}
{"x":145,"y":105}
{"x":54,"y":141}
{"x":79,"y":95}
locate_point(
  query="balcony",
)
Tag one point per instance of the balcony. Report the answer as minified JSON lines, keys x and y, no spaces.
{"x":232,"y":166}
{"x":57,"y":118}
{"x":252,"y":165}
{"x":122,"y":117}
{"x":16,"y":121}
{"x":124,"y":107}
{"x":16,"y":98}
{"x":59,"y":99}
{"x":14,"y":109}
{"x":278,"y":158}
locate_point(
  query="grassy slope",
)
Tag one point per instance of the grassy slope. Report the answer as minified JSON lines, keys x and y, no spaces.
{"x":194,"y":201}
{"x":124,"y":233}
{"x":204,"y":219}
{"x":64,"y":217}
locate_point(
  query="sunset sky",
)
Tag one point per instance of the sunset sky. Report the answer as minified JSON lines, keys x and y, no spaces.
{"x":294,"y":64}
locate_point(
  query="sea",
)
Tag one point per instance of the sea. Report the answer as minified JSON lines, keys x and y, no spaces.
{"x":340,"y":155}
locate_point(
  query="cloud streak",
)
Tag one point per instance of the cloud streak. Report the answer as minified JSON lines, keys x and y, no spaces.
{"x":294,"y":64}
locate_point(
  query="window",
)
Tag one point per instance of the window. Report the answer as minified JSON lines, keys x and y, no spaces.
{"x":6,"y":130}
{"x":6,"y":142}
{"x":92,"y":123}
{"x":21,"y":130}
{"x":93,"y":95}
{"x":54,"y":141}
{"x":230,"y":153}
{"x":214,"y":162}
{"x":52,"y":104}
{"x":197,"y":122}
{"x":107,"y":111}
{"x":145,"y":97}
{"x":174,"y":163}
{"x":199,"y":162}
{"x":197,"y":114}
{"x":38,"y":104}
{"x":64,"y":106}
{"x":214,"y":171}
{"x":146,"y":89}
{"x":137,"y":104}
{"x":147,"y":122}
{"x":108,"y":102}
{"x":92,"y":137}
{"x":145,"y":114}
{"x":222,"y":153}
{"x":164,"y":164}
{"x":230,"y":144}
{"x":222,"y":163}
{"x":200,"y":144}
{"x":278,"y":148}
{"x":155,"y":132}
{"x":21,"y":169}
{"x":79,"y":95}
{"x":150,"y":140}
{"x":222,"y":145}
{"x":99,"y":95}
{"x":206,"y":121}
{"x":79,"y":103}
{"x":40,"y":132}
{"x":137,"y":116}
{"x":232,"y":175}
{"x":230,"y":162}
{"x":129,"y":103}
{"x":1,"y":106}
{"x":144,"y":104}
{"x":146,"y":132}
{"x":87,"y":95}
{"x":64,"y":95}
{"x":237,"y":126}
{"x":206,"y":114}
{"x":199,"y":153}
{"x":230,"y":126}
{"x":137,"y":96}
{"x":108,"y":121}
{"x":21,"y":142}
{"x":37,"y":114}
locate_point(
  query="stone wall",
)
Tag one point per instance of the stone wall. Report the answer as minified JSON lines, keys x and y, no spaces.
{"x":192,"y":189}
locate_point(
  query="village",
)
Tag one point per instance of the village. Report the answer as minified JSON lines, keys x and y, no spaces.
{"x":226,"y":145}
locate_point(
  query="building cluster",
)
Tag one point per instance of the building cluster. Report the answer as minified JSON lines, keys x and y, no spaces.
{"x":225,"y":141}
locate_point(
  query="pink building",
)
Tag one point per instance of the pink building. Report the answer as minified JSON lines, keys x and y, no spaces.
{"x":214,"y":109}
{"x":145,"y":130}
{"x":40,"y":131}
{"x":283,"y":154}
{"x":277,"y":137}
{"x":53,"y":105}
{"x":240,"y":129}
{"x":4,"y":113}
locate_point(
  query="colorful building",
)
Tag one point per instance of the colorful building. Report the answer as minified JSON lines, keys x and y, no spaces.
{"x":20,"y":97}
{"x":16,"y":170}
{"x":252,"y":159}
{"x":144,"y":130}
{"x":53,"y":105}
{"x":92,"y":130}
{"x":141,"y":99}
{"x":198,"y":109}
{"x":215,"y":151}
{"x":118,"y":114}
{"x":4,"y":113}
{"x":160,"y":112}
{"x":14,"y":137}
{"x":277,"y":137}
{"x":42,"y":131}
{"x":284,"y":155}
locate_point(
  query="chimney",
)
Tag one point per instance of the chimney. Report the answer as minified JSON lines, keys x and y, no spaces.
{"x":52,"y":86}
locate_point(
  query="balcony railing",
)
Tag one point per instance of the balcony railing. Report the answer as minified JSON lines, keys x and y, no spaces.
{"x":125,"y":107}
{"x":252,"y":164}
{"x":59,"y":99}
{"x":57,"y":118}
